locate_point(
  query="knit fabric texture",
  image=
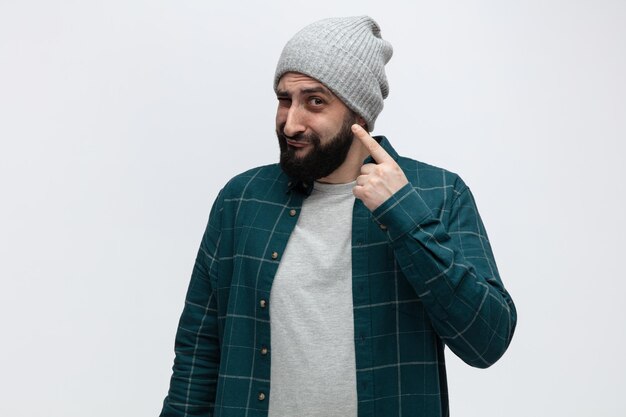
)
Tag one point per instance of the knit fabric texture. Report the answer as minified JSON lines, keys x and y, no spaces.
{"x":347,"y":55}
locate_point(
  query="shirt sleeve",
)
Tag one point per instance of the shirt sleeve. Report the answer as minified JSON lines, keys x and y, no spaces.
{"x":194,"y":378}
{"x":449,"y":262}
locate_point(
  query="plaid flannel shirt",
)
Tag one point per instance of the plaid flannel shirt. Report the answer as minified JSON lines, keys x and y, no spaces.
{"x":423,"y":276}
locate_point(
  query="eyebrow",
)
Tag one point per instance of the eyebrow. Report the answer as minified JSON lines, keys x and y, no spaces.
{"x":318,"y":89}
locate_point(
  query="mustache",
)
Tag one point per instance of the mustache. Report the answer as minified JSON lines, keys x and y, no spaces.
{"x":298,"y":137}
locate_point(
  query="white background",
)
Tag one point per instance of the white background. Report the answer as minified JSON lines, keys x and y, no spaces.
{"x":120,"y":121}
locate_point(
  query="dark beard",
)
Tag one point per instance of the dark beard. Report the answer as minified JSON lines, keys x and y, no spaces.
{"x":321,"y":160}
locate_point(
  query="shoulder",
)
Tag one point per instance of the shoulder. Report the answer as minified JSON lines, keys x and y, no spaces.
{"x":259,"y":176}
{"x":263,"y":182}
{"x":425,"y":177}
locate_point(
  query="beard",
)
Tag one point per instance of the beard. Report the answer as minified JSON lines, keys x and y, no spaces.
{"x":321,"y":160}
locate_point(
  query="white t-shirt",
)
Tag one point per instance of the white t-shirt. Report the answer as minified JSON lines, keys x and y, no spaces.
{"x":313,"y":370}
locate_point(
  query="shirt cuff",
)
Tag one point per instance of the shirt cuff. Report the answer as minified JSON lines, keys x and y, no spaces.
{"x":402,"y":212}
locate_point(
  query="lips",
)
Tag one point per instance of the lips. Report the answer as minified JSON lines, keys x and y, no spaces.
{"x":297,"y":143}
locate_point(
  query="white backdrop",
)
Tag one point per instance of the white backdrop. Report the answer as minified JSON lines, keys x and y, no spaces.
{"x":120,"y":121}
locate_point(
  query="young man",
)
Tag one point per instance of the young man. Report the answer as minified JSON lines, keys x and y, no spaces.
{"x":328,"y":284}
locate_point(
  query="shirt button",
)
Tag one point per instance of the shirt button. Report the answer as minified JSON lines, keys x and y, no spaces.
{"x":292,"y":212}
{"x":263,"y":303}
{"x":263,"y":351}
{"x":261,"y":396}
{"x":274,"y":255}
{"x":383,"y":227}
{"x":289,"y":184}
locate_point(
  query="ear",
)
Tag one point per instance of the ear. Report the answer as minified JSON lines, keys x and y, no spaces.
{"x":361,"y":121}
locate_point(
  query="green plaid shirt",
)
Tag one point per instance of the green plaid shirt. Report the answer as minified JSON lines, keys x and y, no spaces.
{"x":423,"y":275}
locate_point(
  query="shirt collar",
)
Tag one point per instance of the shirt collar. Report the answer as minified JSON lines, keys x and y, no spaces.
{"x":307,"y":187}
{"x":384,"y":142}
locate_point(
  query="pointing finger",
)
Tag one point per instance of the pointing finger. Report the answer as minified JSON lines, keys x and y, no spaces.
{"x":374,"y":149}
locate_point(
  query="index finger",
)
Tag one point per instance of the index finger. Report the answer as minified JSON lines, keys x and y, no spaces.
{"x":378,"y":153}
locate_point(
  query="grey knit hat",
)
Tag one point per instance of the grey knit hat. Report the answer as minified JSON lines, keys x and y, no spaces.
{"x":347,"y":55}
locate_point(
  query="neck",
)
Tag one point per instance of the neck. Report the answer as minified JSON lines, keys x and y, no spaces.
{"x":351,"y":167}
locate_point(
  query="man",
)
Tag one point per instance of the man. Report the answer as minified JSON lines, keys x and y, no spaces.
{"x":328,"y":284}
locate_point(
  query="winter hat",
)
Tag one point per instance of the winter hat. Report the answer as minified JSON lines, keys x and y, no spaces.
{"x":347,"y":55}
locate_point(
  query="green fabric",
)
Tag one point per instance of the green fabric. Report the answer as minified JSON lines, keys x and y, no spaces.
{"x":423,"y":276}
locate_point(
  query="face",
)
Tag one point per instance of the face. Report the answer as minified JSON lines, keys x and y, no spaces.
{"x":313,"y":128}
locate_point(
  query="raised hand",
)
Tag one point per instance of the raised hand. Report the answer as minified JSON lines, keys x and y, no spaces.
{"x":378,"y":181}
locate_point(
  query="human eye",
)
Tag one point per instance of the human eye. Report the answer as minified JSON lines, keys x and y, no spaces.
{"x":316,"y":101}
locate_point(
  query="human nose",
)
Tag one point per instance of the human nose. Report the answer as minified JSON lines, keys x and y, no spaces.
{"x":293,"y":124}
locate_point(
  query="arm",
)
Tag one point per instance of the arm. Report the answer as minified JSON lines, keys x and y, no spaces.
{"x":194,"y":379}
{"x":448,"y":260}
{"x":452,"y":269}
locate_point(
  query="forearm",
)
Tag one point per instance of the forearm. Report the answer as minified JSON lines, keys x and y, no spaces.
{"x":451,"y":267}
